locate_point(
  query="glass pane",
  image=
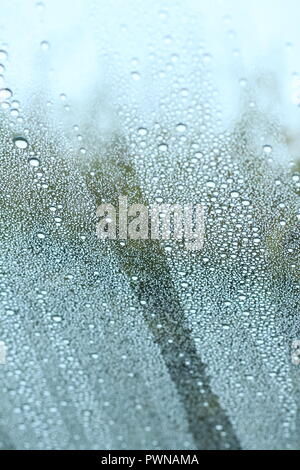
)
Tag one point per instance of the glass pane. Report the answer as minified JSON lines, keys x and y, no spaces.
{"x":150,"y":178}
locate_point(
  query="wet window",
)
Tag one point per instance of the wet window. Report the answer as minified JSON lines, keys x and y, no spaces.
{"x":149,"y":207}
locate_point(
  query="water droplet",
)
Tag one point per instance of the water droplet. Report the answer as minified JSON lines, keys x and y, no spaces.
{"x":56,"y":318}
{"x":41,"y":235}
{"x":45,"y":45}
{"x":181,"y":127}
{"x":5,"y":93}
{"x":34,"y":162}
{"x":14,"y":112}
{"x":20,"y":142}
{"x":207,"y":58}
{"x":3,"y":54}
{"x":163,"y":14}
{"x":163,"y":147}
{"x":5,"y":105}
{"x":267,"y":149}
{"x":135,"y":76}
{"x":142,"y":131}
{"x":40,"y":6}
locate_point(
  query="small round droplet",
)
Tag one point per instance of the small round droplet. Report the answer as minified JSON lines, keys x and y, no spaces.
{"x":5,"y":105}
{"x":3,"y":54}
{"x":235,"y":194}
{"x":34,"y":162}
{"x":142,"y":131}
{"x":14,"y":112}
{"x":41,"y":235}
{"x":56,"y":318}
{"x":40,"y":6}
{"x":135,"y":76}
{"x":267,"y":149}
{"x":163,"y":147}
{"x":5,"y":93}
{"x":45,"y":45}
{"x":210,"y":184}
{"x":181,"y":127}
{"x":207,"y":58}
{"x":184,"y":92}
{"x":20,"y":143}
